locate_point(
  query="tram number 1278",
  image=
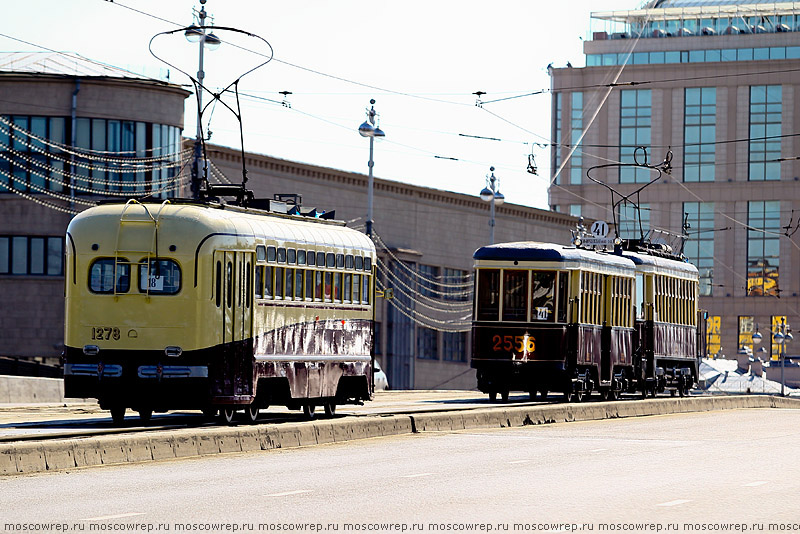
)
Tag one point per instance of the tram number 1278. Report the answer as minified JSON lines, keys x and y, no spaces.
{"x":520,"y":344}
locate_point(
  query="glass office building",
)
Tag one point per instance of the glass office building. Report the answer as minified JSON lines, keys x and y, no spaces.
{"x":716,"y":84}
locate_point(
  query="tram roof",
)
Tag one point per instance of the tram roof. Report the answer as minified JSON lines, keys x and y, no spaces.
{"x":199,"y":220}
{"x":544,"y":252}
{"x":662,"y":264}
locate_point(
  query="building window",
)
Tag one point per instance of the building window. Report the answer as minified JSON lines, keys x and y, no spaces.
{"x":763,"y":248}
{"x":634,"y":131}
{"x":714,"y":335}
{"x":427,"y":344}
{"x":454,"y":346}
{"x":427,"y":281}
{"x":628,"y":218}
{"x":699,"y":247}
{"x":699,"y":134}
{"x":746,"y":331}
{"x":576,"y":123}
{"x":458,"y":284}
{"x":113,"y":157}
{"x":575,"y":210}
{"x":556,"y":149}
{"x":32,"y":255}
{"x":765,"y":131}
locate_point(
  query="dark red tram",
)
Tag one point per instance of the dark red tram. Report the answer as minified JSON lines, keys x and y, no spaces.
{"x":556,"y":318}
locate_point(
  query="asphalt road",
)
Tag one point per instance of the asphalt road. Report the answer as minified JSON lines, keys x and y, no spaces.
{"x":707,"y":470}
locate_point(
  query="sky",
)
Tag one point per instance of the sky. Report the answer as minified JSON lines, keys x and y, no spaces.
{"x":420,"y":60}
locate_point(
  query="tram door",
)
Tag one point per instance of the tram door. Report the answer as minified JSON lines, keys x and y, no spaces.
{"x":234,"y":375}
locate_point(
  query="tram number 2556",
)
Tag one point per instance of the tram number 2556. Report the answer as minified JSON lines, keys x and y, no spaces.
{"x":517,"y":344}
{"x":105,"y":332}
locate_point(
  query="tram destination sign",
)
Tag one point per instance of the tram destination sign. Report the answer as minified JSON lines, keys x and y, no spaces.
{"x":598,"y":241}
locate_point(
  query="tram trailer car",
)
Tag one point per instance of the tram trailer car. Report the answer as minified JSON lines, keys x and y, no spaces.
{"x":550,"y":317}
{"x":189,"y":305}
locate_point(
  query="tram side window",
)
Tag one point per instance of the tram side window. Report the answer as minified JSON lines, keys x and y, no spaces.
{"x":515,"y":295}
{"x":298,"y":284}
{"x":229,"y":284}
{"x":563,"y":280}
{"x":356,"y":288}
{"x":543,"y":285}
{"x":259,"y":281}
{"x":163,"y":277}
{"x":248,"y":299}
{"x":218,"y":285}
{"x":348,"y":287}
{"x":101,"y":276}
{"x":312,"y":258}
{"x":291,"y":255}
{"x":337,"y":287}
{"x":281,"y":255}
{"x":289,"y":285}
{"x":271,"y":254}
{"x":365,"y":289}
{"x":320,"y":259}
{"x":268,"y":282}
{"x":309,"y":284}
{"x":639,"y":296}
{"x":328,"y":286}
{"x":488,"y":294}
{"x":318,"y":286}
{"x":278,"y":282}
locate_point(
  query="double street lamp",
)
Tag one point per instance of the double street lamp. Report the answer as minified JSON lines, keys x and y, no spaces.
{"x":491,"y":193}
{"x":369,"y":128}
{"x":781,"y":336}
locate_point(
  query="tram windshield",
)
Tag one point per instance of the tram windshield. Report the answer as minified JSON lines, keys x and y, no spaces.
{"x":542,"y":296}
{"x":488,"y":294}
{"x":515,"y":293}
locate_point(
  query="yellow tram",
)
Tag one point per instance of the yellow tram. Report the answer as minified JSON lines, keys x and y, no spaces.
{"x":202,"y":305}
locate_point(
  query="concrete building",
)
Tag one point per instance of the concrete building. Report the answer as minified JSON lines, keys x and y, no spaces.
{"x":718,"y":84}
{"x":426,"y":237}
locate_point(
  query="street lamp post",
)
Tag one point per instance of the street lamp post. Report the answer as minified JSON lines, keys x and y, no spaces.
{"x":782,"y":336}
{"x":491,"y":193}
{"x":369,"y":128}
{"x":196,"y":33}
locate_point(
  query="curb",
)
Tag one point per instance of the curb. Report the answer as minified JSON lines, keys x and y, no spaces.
{"x":44,"y":456}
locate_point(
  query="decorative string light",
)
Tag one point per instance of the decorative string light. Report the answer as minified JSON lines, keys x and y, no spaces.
{"x":86,"y":154}
{"x":73,"y":177}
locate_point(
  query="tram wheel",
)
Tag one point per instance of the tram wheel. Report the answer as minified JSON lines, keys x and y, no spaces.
{"x":568,"y":396}
{"x":504,"y":395}
{"x":613,"y":394}
{"x":578,"y":396}
{"x":118,"y":415}
{"x":604,"y":394}
{"x":308,"y":411}
{"x":145,"y":415}
{"x":210,"y":412}
{"x":252,"y":412}
{"x":543,"y":393}
{"x":330,"y":409}
{"x":493,"y":396}
{"x":226,"y":415}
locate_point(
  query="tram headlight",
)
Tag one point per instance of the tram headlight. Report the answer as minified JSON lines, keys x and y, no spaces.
{"x":173,"y":352}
